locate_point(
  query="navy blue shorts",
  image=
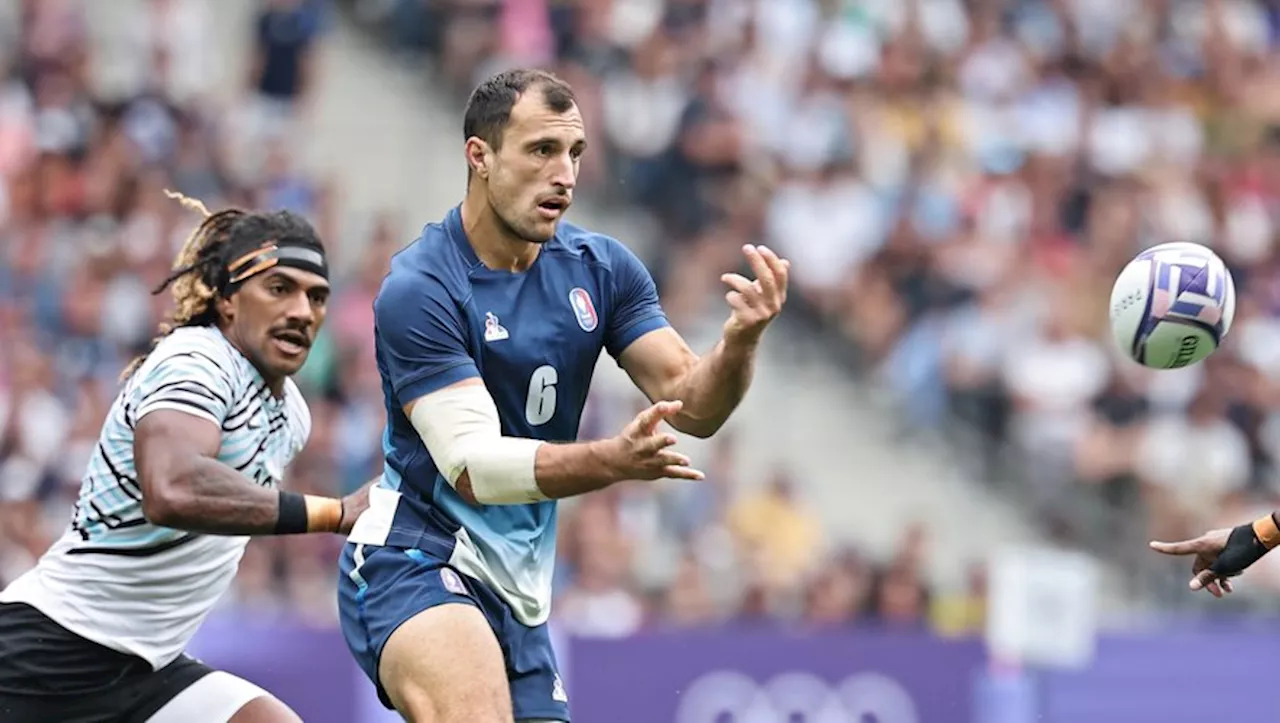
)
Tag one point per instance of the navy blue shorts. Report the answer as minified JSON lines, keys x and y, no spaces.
{"x":394,"y":584}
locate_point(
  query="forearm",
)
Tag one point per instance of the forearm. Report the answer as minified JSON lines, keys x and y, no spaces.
{"x":713,"y":387}
{"x":211,"y":498}
{"x":569,"y":470}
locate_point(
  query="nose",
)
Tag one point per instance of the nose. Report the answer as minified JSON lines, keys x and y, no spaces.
{"x":564,"y":172}
{"x":300,"y":312}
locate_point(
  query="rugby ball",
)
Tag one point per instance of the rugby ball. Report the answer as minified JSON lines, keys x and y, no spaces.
{"x":1172,"y":305}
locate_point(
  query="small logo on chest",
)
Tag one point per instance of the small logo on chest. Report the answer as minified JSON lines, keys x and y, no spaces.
{"x":269,"y":473}
{"x":493,"y":331}
{"x":583,"y":310}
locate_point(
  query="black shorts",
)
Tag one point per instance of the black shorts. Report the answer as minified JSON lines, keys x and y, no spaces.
{"x":51,"y":675}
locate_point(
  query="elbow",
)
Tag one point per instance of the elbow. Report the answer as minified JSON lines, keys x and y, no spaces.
{"x":163,"y":503}
{"x":701,"y":432}
{"x":160,"y":510}
{"x":698,"y":428}
{"x":464,"y":489}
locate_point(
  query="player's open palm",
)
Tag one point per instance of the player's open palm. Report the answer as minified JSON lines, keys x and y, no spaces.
{"x":643,"y":451}
{"x":756,"y":303}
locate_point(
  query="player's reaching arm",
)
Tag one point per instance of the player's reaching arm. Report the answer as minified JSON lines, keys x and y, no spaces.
{"x":1225,"y":553}
{"x":460,"y":427}
{"x":185,"y":487}
{"x":712,"y":386}
{"x":421,"y":339}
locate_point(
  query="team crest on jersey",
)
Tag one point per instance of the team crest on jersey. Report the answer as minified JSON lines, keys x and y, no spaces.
{"x":493,"y":331}
{"x":583,"y":310}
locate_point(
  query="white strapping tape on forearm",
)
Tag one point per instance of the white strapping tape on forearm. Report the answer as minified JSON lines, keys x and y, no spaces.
{"x":461,"y":429}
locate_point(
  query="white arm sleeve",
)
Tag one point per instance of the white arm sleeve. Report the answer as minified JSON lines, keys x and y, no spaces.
{"x":462,"y":432}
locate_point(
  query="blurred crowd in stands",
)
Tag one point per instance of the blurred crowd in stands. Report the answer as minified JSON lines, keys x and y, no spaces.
{"x":100,"y":113}
{"x":957,"y":183}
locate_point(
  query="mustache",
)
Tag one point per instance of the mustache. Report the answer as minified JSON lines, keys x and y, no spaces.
{"x":561,"y":198}
{"x":295,"y":334}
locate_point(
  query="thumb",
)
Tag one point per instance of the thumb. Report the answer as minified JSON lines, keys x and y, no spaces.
{"x":1185,"y":547}
{"x":1202,"y":579}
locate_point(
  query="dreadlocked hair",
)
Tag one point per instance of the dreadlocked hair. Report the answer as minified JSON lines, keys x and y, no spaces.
{"x":202,"y":261}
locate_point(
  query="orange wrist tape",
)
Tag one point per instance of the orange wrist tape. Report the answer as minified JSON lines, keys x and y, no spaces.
{"x":1267,"y":531}
{"x":323,"y":513}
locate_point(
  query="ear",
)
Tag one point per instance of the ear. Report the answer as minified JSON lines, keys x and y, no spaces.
{"x":479,"y":157}
{"x":226,"y":308}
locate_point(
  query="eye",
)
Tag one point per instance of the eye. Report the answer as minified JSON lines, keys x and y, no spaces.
{"x":319,"y":298}
{"x":544,"y":149}
{"x":277,"y":289}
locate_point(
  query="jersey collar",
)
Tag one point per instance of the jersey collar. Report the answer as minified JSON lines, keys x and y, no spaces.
{"x":457,"y":234}
{"x":453,"y":226}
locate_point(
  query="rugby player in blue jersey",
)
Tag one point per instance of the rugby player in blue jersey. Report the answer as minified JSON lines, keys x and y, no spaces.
{"x":488,"y":329}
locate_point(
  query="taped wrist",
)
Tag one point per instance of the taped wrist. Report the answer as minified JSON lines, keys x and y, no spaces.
{"x":1267,"y":531}
{"x":307,"y":513}
{"x":1246,"y":545}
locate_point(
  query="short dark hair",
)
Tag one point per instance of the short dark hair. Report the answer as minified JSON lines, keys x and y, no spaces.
{"x":489,"y":108}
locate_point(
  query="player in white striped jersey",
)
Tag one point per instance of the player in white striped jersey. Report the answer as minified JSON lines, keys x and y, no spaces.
{"x":187,"y":466}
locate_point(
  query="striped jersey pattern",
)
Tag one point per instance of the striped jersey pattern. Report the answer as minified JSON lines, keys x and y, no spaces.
{"x":193,"y":370}
{"x":114,"y":578}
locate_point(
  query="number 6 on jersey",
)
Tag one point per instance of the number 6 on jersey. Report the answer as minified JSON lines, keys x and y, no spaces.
{"x":540,"y":406}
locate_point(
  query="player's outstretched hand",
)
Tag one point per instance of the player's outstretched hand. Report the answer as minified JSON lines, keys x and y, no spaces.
{"x":756,"y":303}
{"x":644,"y":452}
{"x":1219,"y":555}
{"x":353,"y":505}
